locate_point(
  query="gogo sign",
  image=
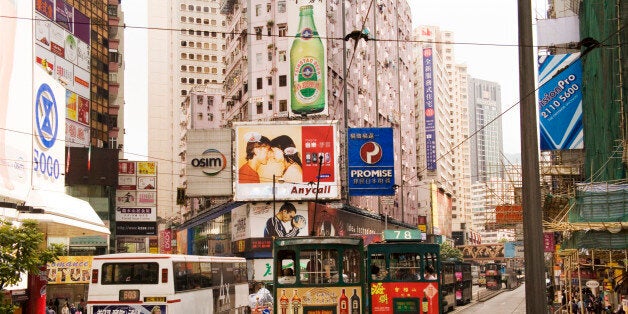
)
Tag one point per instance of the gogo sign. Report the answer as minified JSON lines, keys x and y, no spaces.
{"x":212,"y":162}
{"x":47,"y":123}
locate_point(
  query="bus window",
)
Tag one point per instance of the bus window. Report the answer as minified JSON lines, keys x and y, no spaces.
{"x":378,"y":266}
{"x":285,"y":267}
{"x":351,"y":267}
{"x":130,"y":273}
{"x":321,"y":266}
{"x":405,"y":266}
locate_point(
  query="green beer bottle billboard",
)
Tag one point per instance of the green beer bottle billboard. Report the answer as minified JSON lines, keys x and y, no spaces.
{"x":307,"y":67}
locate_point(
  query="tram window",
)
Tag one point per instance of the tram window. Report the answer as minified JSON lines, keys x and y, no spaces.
{"x":285,"y":267}
{"x":351,"y":266}
{"x":378,"y":266}
{"x":405,"y":266}
{"x":322,"y":266}
{"x":431,"y":272}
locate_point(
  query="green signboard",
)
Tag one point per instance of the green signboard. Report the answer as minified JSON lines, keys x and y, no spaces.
{"x":402,"y":235}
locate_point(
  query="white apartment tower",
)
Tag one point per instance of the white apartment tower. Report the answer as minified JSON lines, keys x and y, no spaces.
{"x":185,"y":53}
{"x":368,"y":82}
{"x":442,"y":128}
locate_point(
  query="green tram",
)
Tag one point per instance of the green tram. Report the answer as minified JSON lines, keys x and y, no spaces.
{"x":318,"y":275}
{"x":339,"y":275}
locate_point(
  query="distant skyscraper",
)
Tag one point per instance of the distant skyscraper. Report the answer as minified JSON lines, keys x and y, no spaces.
{"x":485,"y":106}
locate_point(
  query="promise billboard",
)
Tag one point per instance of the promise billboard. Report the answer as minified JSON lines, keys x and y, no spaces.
{"x":299,"y":159}
{"x":371,"y":161}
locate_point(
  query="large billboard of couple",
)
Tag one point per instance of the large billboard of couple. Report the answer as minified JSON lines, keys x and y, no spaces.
{"x":299,"y":159}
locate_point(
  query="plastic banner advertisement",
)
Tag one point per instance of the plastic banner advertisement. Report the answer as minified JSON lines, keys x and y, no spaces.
{"x":560,"y":102}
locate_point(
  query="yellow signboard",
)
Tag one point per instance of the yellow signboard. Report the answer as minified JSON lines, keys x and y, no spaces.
{"x":70,"y":270}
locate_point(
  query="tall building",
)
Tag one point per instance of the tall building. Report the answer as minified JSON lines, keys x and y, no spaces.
{"x":185,"y":55}
{"x":487,"y":141}
{"x":442,"y":131}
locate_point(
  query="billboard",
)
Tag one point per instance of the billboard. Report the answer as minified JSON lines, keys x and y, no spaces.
{"x":256,"y":220}
{"x":430,"y":121}
{"x":69,"y":270}
{"x":371,"y":161}
{"x":48,"y":133}
{"x":508,"y":214}
{"x":560,"y":102}
{"x":16,"y":90}
{"x":208,"y":167}
{"x":308,"y":57}
{"x":301,"y":158}
{"x":62,"y":47}
{"x":136,"y":214}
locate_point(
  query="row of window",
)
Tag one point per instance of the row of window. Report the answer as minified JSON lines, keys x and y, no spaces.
{"x":282,"y":31}
{"x":200,"y":33}
{"x":199,"y":57}
{"x":190,"y":7}
{"x":281,"y":7}
{"x":201,"y":45}
{"x":198,"y":20}
{"x":199,"y":69}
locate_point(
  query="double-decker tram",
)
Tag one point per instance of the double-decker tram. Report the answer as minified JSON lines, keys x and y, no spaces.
{"x":132,"y":283}
{"x":448,"y":285}
{"x":318,"y":275}
{"x":404,"y":274}
{"x":464,"y":282}
{"x":493,"y":273}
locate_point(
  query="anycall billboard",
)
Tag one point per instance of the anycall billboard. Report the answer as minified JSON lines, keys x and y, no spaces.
{"x":371,"y":161}
{"x":62,"y":48}
{"x":300,"y":159}
{"x":208,"y":162}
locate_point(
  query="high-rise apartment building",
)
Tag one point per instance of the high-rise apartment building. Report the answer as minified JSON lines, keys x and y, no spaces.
{"x":486,"y":144}
{"x":368,"y":81}
{"x":442,"y":131}
{"x":186,"y":46}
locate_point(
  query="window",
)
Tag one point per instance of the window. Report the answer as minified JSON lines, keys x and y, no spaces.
{"x":183,"y":7}
{"x":270,"y":105}
{"x":282,"y":55}
{"x":281,"y":6}
{"x":283,"y":105}
{"x":260,"y":83}
{"x":130,"y":273}
{"x":321,"y":266}
{"x":258,"y":33}
{"x":405,"y":266}
{"x":198,"y":21}
{"x":283,"y":80}
{"x":200,"y":116}
{"x":184,"y":80}
{"x":283,"y":29}
{"x":183,"y":19}
{"x":260,"y":107}
{"x":184,"y":68}
{"x":191,"y":44}
{"x":270,"y":55}
{"x":258,"y":8}
{"x":184,"y":92}
{"x":269,"y":80}
{"x":268,"y":7}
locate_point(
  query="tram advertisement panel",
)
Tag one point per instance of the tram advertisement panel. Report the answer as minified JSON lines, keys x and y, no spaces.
{"x":129,"y":309}
{"x":320,"y":300}
{"x":404,"y":297}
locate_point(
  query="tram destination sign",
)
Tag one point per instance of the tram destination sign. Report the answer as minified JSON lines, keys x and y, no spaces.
{"x":402,"y":235}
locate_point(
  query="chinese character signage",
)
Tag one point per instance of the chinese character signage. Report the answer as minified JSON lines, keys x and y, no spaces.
{"x":430,"y":121}
{"x":371,"y":161}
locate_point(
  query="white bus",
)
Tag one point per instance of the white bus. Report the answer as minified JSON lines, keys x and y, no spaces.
{"x":142,"y":283}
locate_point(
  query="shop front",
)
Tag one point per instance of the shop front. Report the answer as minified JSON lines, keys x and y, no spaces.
{"x":68,"y":280}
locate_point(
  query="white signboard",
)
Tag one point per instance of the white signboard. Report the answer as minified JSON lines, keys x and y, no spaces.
{"x":136,"y":214}
{"x":208,"y":162}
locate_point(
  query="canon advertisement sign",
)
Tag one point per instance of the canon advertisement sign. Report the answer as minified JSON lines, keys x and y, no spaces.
{"x":208,"y":163}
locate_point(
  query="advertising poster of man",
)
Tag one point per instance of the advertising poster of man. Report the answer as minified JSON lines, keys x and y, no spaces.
{"x":292,"y":156}
{"x":289,"y":221}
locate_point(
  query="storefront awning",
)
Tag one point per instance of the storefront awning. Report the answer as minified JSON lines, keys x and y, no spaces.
{"x":62,"y":215}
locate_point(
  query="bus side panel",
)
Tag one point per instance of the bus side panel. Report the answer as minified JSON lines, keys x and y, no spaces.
{"x":384,"y":294}
{"x":130,"y":309}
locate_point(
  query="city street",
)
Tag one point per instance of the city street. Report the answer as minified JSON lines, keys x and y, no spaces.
{"x":509,"y":301}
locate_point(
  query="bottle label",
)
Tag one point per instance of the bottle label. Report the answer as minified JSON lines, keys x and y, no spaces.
{"x":307,"y":33}
{"x":307,"y":80}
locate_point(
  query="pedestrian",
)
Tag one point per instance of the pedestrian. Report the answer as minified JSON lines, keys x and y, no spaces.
{"x":50,"y":310}
{"x":65,"y":309}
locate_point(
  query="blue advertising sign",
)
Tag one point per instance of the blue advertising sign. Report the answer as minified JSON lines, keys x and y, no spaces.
{"x":560,"y":102}
{"x":430,"y":121}
{"x":371,"y":161}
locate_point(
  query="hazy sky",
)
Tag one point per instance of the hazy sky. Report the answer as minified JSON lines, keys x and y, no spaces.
{"x":485,"y":33}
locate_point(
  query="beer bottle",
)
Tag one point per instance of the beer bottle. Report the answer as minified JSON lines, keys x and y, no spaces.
{"x":307,"y":66}
{"x":425,"y":304}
